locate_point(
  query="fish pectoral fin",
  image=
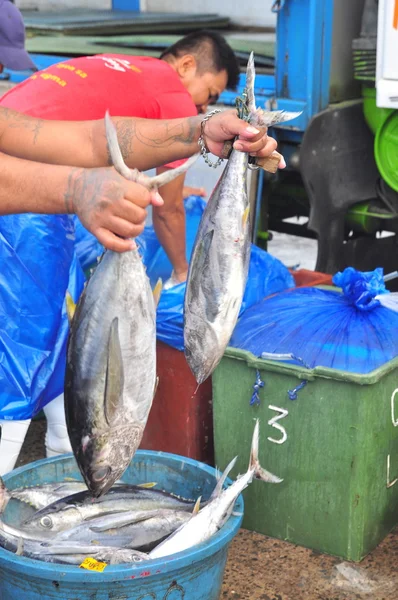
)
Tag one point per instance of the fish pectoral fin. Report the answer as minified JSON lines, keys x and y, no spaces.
{"x":70,"y":306}
{"x":202,"y":250}
{"x":114,"y":378}
{"x":157,"y":291}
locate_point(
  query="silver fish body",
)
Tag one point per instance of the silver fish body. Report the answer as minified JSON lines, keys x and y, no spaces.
{"x":213,"y":516}
{"x":75,"y":509}
{"x":67,"y":552}
{"x":42,"y":495}
{"x":111,"y":369}
{"x":218,"y":270}
{"x":115,"y":530}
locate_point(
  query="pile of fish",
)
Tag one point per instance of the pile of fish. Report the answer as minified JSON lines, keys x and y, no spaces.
{"x":128,"y":524}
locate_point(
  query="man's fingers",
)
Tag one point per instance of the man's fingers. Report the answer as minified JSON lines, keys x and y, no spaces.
{"x":262,"y":147}
{"x":137,"y":194}
{"x":128,"y":211}
{"x":124,"y":228}
{"x":111,"y":241}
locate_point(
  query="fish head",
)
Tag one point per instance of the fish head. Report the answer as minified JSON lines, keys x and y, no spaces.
{"x":49,"y":521}
{"x":103,"y":457}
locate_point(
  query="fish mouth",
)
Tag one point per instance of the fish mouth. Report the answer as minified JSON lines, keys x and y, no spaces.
{"x":103,"y":458}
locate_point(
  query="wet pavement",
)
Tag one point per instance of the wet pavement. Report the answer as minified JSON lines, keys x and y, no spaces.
{"x":263,"y":568}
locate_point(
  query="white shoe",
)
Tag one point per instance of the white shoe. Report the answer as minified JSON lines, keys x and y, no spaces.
{"x":12,"y":437}
{"x":57,"y":439}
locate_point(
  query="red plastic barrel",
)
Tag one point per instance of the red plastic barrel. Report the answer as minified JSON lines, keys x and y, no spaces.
{"x":181,"y":420}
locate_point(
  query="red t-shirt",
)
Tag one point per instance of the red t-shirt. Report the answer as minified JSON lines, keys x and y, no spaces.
{"x":84,"y":88}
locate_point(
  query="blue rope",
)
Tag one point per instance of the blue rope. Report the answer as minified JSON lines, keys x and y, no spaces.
{"x":255,"y":399}
{"x":293,"y":393}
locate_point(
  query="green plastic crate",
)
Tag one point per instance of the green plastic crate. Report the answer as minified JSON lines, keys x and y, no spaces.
{"x":335,"y":446}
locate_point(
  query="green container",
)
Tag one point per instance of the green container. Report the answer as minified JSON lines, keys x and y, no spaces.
{"x":335,"y":446}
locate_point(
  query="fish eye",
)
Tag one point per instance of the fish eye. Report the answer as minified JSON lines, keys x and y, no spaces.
{"x":101,"y":474}
{"x":137,"y":559}
{"x":46,"y":522}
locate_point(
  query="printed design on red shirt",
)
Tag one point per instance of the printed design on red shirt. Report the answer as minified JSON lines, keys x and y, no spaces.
{"x":118,"y":64}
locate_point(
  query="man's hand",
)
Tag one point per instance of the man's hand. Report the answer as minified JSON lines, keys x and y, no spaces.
{"x":109,"y":206}
{"x":226,"y":125}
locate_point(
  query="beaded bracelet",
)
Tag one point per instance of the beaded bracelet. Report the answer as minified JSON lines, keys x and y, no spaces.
{"x":202,"y":144}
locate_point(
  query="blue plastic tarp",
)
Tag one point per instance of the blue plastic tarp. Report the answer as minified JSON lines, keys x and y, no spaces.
{"x":38,"y":265}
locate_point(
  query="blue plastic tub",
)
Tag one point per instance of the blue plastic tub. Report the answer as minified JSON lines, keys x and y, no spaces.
{"x":195,"y":574}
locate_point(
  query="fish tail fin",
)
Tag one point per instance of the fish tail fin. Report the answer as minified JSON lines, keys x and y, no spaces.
{"x":4,"y":496}
{"x":254,"y":464}
{"x":220,"y":483}
{"x":116,"y":155}
{"x":171,"y":174}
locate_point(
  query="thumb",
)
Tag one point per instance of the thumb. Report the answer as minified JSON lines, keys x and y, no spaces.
{"x":156,"y":199}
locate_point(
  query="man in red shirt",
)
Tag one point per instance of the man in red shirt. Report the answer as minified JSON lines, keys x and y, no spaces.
{"x":188,"y":77}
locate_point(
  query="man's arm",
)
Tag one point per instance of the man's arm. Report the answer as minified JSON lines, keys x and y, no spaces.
{"x":145,"y":143}
{"x":107,"y":204}
{"x":169,"y":224}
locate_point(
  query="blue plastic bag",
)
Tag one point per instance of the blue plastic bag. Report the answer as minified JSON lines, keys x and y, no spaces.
{"x":38,"y":265}
{"x":350,"y":331}
{"x":267,"y":275}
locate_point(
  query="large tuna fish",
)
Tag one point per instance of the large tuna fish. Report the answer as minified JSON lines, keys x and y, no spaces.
{"x":111,"y":362}
{"x":220,"y":259}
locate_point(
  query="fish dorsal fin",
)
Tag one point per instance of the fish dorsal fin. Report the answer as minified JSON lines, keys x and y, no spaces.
{"x":70,"y":307}
{"x":114,"y":378}
{"x":196,"y":508}
{"x":157,"y":290}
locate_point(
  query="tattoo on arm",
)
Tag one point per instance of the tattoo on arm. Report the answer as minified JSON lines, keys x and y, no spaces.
{"x":125,"y":135}
{"x":16,"y":120}
{"x":169,"y":133}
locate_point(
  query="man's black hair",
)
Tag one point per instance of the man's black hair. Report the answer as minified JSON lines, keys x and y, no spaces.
{"x":211,"y":52}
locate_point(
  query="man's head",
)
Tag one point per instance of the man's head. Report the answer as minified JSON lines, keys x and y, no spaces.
{"x":206,"y":65}
{"x":12,"y":39}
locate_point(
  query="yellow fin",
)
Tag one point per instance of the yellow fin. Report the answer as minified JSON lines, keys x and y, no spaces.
{"x":157,"y":290}
{"x":147,"y":486}
{"x":245,"y":216}
{"x":196,"y":508}
{"x":70,"y":306}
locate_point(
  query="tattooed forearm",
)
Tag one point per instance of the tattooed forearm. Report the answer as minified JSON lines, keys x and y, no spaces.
{"x":71,"y":191}
{"x":167,"y":133}
{"x":10,"y":119}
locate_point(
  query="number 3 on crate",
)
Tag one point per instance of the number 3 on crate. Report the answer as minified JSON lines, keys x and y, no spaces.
{"x":273,"y":422}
